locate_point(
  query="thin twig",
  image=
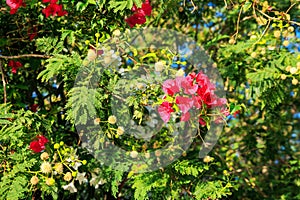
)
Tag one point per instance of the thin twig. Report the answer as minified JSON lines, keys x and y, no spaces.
{"x":3,"y":82}
{"x":194,"y":6}
{"x":288,"y":10}
{"x":238,"y":24}
{"x":275,"y":18}
{"x":264,"y":32}
{"x":25,"y":56}
{"x":226,"y":6}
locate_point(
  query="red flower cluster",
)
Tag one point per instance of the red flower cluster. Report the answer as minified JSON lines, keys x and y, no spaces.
{"x":53,"y":9}
{"x":197,"y":91}
{"x":14,"y":65}
{"x":139,"y":15}
{"x":39,"y":144}
{"x":14,"y":5}
{"x":32,"y":33}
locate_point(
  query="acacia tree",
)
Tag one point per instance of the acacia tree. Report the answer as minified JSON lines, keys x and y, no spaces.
{"x":45,"y":44}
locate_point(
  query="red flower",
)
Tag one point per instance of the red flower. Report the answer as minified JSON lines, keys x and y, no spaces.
{"x":165,"y":110}
{"x":236,"y":113}
{"x":34,"y":107}
{"x":50,"y":1}
{"x":32,"y":33}
{"x":54,"y":9}
{"x":136,"y":18}
{"x":39,"y":144}
{"x":99,"y":52}
{"x":14,"y":65}
{"x":202,"y":121}
{"x":14,"y":5}
{"x":139,"y":16}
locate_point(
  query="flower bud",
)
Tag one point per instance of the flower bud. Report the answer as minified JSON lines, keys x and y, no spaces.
{"x":56,"y":146}
{"x":58,"y":167}
{"x":231,"y":41}
{"x":133,"y":154}
{"x":117,"y":33}
{"x":293,"y":70}
{"x":97,"y":121}
{"x":277,"y":34}
{"x":288,"y":68}
{"x":44,"y":156}
{"x":97,"y":35}
{"x":283,"y":76}
{"x":285,"y":43}
{"x":46,"y":167}
{"x":180,"y":72}
{"x":120,"y":130}
{"x":68,"y":176}
{"x":207,"y":159}
{"x":295,"y":81}
{"x":34,"y":180}
{"x":74,"y":174}
{"x":157,"y":153}
{"x":147,"y":155}
{"x":159,"y":66}
{"x":84,"y":162}
{"x":112,"y":119}
{"x":291,"y":29}
{"x":50,"y":181}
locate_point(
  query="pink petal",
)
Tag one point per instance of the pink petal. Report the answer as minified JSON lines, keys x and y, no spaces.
{"x":165,"y":111}
{"x":171,"y":87}
{"x":185,"y":117}
{"x":184,"y":103}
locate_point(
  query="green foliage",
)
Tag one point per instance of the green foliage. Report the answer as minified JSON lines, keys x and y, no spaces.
{"x":254,"y":45}
{"x":61,"y":64}
{"x":212,"y":190}
{"x":144,"y":183}
{"x":118,"y":6}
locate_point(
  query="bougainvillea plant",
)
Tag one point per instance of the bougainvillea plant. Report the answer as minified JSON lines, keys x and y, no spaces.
{"x":15,"y":5}
{"x":184,"y":93}
{"x":14,"y":65}
{"x":139,"y":14}
{"x":38,"y":144}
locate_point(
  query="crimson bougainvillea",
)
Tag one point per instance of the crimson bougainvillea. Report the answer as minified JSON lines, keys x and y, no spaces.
{"x":32,"y":33}
{"x":38,"y":144}
{"x":139,"y":15}
{"x":14,"y":5}
{"x":53,"y":9}
{"x":14,"y":65}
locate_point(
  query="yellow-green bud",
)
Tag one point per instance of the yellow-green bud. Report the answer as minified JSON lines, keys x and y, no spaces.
{"x":84,"y":162}
{"x":97,"y":35}
{"x":74,"y":174}
{"x":50,"y":181}
{"x":56,"y":146}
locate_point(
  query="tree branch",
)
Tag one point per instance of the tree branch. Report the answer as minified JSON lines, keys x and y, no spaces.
{"x":25,"y":56}
{"x":3,"y":82}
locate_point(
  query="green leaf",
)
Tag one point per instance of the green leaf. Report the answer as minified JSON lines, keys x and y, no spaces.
{"x":247,"y":6}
